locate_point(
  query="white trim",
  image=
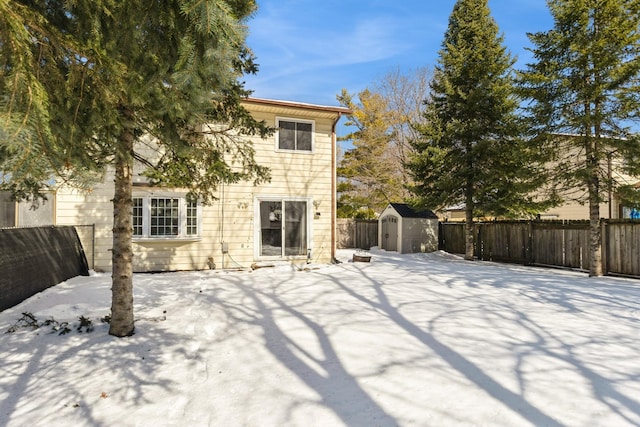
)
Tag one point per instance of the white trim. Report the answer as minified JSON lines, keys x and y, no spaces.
{"x":146,"y":236}
{"x":166,"y":239}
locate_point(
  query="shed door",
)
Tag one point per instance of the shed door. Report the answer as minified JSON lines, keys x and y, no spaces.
{"x":390,"y":233}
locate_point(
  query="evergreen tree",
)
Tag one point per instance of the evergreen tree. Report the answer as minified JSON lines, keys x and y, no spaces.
{"x":584,"y":82}
{"x":470,"y":151}
{"x":31,"y":52}
{"x":112,"y":73}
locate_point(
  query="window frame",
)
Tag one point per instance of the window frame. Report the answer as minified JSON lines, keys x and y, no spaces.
{"x":295,"y":149}
{"x":184,"y":210}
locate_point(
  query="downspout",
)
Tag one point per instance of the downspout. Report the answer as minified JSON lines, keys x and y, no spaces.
{"x":334,"y":206}
{"x":609,"y":186}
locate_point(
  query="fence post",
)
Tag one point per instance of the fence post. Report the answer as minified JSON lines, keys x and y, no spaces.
{"x":354,"y":234}
{"x":93,"y":246}
{"x":604,"y":241}
{"x":528,"y":250}
{"x":477,"y":232}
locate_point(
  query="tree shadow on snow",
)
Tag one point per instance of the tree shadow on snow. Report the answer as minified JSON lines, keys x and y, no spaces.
{"x":322,"y":372}
{"x":67,"y":376}
{"x":552,"y":290}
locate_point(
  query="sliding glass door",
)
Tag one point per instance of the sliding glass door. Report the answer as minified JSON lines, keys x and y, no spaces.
{"x":283,"y":228}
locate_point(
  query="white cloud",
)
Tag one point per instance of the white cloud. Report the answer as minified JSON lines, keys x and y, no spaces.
{"x":327,"y":52}
{"x":309,"y":50}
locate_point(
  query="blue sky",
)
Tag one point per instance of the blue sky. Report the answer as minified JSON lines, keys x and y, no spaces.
{"x":308,"y":50}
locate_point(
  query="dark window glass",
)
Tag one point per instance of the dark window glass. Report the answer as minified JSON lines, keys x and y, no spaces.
{"x":303,"y":136}
{"x":164,"y":217}
{"x":287,"y":135}
{"x":294,"y":135}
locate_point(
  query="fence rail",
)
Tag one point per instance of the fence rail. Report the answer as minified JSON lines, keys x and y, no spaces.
{"x":550,"y":243}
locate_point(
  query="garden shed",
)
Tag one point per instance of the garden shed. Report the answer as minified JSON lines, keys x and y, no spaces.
{"x":405,"y":230}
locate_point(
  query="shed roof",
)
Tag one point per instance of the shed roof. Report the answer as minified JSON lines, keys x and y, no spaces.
{"x":407,"y":211}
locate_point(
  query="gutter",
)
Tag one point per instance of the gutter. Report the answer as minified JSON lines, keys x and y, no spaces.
{"x":298,"y":105}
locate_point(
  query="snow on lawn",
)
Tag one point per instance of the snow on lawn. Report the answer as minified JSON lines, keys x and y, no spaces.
{"x":409,"y":340}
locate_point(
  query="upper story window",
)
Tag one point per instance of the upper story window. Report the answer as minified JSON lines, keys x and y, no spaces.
{"x":294,"y":135}
{"x":165,"y":217}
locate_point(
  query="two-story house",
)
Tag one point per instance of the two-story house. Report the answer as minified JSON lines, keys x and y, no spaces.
{"x":291,"y":218}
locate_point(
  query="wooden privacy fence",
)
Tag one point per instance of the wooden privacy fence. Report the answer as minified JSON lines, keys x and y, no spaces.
{"x":356,"y":233}
{"x":550,"y":243}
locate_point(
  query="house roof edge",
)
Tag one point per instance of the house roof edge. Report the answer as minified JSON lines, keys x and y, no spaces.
{"x":295,"y":104}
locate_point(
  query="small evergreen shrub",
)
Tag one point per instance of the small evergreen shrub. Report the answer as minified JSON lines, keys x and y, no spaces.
{"x":29,"y":320}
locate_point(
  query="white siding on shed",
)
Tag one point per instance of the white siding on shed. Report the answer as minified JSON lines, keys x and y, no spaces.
{"x":411,"y":234}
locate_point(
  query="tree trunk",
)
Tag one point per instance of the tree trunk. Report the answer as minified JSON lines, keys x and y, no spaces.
{"x":469,"y":233}
{"x":595,"y":238}
{"x":592,"y":150}
{"x":122,"y":322}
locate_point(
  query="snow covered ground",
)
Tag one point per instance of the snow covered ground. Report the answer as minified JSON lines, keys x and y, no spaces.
{"x":409,"y":340}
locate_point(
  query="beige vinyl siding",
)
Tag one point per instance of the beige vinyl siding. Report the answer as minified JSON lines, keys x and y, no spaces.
{"x":230,"y":219}
{"x":576,"y":211}
{"x":74,"y":207}
{"x":293,"y":175}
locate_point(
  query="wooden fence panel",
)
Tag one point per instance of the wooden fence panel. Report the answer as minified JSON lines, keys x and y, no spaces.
{"x":616,"y":251}
{"x":577,"y":250}
{"x":623,"y":248}
{"x":345,"y":233}
{"x":633,"y":247}
{"x":451,"y":236}
{"x":356,"y":233}
{"x":366,"y":234}
{"x":503,"y":241}
{"x":560,"y":244}
{"x":547,"y":245}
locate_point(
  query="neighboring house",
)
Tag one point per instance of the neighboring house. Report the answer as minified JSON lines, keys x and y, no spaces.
{"x":402,"y":229}
{"x":291,"y":218}
{"x":568,"y":210}
{"x":612,"y":208}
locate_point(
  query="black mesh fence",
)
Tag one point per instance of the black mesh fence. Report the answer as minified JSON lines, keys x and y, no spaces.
{"x":34,"y":259}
